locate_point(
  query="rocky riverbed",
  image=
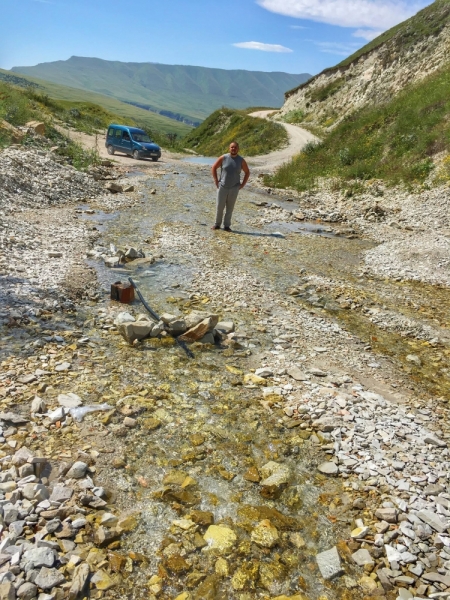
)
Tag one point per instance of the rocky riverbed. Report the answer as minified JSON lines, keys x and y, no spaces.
{"x":300,"y":451}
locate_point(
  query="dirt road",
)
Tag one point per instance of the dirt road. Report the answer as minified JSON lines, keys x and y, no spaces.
{"x":298,"y":138}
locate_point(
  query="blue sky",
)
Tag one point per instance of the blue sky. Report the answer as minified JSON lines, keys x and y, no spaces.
{"x":295,"y":36}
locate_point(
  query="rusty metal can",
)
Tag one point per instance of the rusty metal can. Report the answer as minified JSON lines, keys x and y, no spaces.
{"x":122,"y":292}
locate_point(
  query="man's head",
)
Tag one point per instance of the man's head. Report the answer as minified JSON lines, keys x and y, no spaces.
{"x":234,"y":148}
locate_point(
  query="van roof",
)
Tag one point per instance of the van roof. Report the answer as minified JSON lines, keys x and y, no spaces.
{"x":126,"y":128}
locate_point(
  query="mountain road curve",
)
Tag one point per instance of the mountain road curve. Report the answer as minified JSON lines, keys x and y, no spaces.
{"x":298,"y":138}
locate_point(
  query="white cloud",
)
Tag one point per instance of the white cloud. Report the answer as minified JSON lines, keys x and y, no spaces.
{"x":297,"y":27}
{"x":336,"y":48}
{"x":263,"y":47}
{"x":367,"y":34}
{"x":373,"y":14}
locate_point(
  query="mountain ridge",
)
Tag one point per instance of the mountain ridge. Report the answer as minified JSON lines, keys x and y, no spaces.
{"x":185,"y":90}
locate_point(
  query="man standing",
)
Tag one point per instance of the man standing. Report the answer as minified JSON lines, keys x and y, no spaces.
{"x":229,"y":184}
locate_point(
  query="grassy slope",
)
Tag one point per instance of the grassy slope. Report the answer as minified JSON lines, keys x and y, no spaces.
{"x":122,"y":111}
{"x":394,"y":141}
{"x":428,"y":22}
{"x":255,"y":136}
{"x":187,"y":90}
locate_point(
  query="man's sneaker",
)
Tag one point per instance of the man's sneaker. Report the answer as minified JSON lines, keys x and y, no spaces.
{"x":215,"y":227}
{"x":228,"y":229}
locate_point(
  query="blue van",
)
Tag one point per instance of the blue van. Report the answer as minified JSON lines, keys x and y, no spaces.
{"x":132,"y":141}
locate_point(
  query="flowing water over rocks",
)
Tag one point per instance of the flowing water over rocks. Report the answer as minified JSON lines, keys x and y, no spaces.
{"x":303,"y":454}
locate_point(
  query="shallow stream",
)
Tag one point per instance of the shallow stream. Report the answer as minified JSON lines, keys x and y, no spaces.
{"x":203,"y":432}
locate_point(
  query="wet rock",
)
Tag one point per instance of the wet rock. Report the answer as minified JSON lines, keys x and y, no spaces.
{"x":202,"y":517}
{"x":123,"y":317}
{"x":102,"y":580}
{"x":127,"y":523}
{"x":265,"y":534}
{"x":329,"y":563}
{"x":328,"y":468}
{"x":415,"y":360}
{"x":177,"y":327}
{"x":220,"y":538}
{"x":138,"y":330}
{"x":225,"y":326}
{"x":252,"y":475}
{"x":276,"y":477}
{"x":198,"y":331}
{"x":195,"y":317}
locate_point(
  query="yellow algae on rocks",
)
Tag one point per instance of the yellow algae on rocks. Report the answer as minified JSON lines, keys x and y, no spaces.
{"x":233,"y":370}
{"x":221,"y":567}
{"x":127,"y":524}
{"x":265,"y":534}
{"x":296,"y":597}
{"x":251,"y":378}
{"x":220,"y":538}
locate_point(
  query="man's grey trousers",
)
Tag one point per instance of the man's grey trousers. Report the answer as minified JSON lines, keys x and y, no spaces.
{"x":226,"y":199}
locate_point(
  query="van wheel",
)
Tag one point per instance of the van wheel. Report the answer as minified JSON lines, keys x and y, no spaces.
{"x":110,"y":150}
{"x":136,"y":155}
{"x":154,"y":158}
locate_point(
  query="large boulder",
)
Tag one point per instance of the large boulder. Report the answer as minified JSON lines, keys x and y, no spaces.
{"x":37,"y":126}
{"x":15,"y":134}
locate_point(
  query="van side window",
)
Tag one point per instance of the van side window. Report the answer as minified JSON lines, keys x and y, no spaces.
{"x":126,"y":136}
{"x":111,"y":132}
{"x":118,"y":133}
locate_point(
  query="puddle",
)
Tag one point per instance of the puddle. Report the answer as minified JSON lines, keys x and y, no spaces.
{"x":303,"y":227}
{"x":199,"y":160}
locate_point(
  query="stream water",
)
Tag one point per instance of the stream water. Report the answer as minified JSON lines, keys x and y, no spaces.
{"x":203,"y":432}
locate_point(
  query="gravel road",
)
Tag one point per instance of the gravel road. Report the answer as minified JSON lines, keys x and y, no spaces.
{"x":298,"y":138}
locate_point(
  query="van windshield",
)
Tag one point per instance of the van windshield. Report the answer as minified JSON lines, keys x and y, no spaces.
{"x":141,"y":137}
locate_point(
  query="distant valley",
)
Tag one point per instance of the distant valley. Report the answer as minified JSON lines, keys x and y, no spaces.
{"x":184,"y":93}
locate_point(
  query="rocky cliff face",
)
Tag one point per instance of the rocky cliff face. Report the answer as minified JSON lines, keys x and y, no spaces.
{"x":408,"y":56}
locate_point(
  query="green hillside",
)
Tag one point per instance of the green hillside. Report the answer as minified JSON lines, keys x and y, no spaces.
{"x":428,"y":22}
{"x":255,"y":136}
{"x":182,"y":92}
{"x":72,"y":97}
{"x":396,"y":141}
